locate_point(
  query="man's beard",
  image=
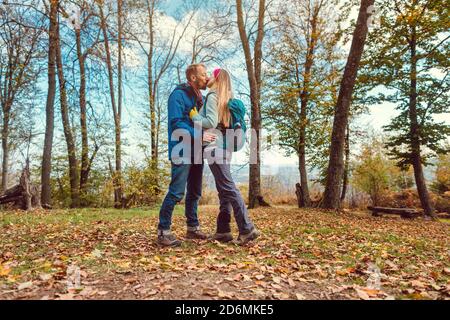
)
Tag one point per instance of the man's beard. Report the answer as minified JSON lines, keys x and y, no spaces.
{"x":203,"y":87}
{"x":198,"y":86}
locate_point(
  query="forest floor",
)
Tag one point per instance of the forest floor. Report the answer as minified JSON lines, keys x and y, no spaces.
{"x":302,"y":254}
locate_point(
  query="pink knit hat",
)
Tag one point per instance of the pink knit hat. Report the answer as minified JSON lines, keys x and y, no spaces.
{"x":216,"y":73}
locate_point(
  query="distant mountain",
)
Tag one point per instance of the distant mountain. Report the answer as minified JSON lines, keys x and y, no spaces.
{"x":287,"y":175}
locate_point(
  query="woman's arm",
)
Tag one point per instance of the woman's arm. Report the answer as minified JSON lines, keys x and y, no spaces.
{"x":211,"y":119}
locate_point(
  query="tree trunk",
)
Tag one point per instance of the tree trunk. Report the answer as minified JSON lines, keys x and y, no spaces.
{"x":118,"y":194}
{"x":85,"y":164}
{"x":414,"y":133}
{"x":306,"y":200}
{"x":152,"y":86}
{"x":154,"y":145}
{"x":119,"y":201}
{"x":335,"y":170}
{"x":254,"y":193}
{"x":5,"y":148}
{"x":254,"y":78}
{"x":6,"y":76}
{"x":346,"y":164}
{"x":15,"y":75}
{"x":158,"y":128}
{"x":71,"y":150}
{"x":299,"y":194}
{"x":158,"y":189}
{"x":49,"y":109}
{"x":6,"y":102}
{"x":304,"y":99}
{"x":25,"y":183}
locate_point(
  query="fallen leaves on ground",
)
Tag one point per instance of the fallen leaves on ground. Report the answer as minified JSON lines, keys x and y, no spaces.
{"x":302,"y":254}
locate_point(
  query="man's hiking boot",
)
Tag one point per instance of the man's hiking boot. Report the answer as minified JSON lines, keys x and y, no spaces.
{"x":223,"y":237}
{"x":245,"y":238}
{"x":195,"y":233}
{"x":167,"y":239}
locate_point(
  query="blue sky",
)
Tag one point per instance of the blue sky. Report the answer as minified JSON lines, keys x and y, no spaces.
{"x":379,"y":115}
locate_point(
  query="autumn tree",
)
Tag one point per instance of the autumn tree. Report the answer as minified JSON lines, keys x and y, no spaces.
{"x":302,"y":81}
{"x":374,"y":173}
{"x":407,"y":64}
{"x":441,"y":183}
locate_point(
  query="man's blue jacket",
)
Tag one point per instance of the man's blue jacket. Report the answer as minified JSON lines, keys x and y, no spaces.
{"x":181,"y":101}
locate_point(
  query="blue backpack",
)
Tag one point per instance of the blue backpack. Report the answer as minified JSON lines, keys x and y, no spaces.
{"x":237,"y":110}
{"x":238,"y":125}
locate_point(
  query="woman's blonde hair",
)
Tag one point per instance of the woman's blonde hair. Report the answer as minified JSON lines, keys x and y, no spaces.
{"x":224,"y":94}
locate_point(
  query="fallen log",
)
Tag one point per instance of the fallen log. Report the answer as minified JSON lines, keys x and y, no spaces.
{"x":443,"y":215}
{"x":407,"y":213}
{"x":25,"y":195}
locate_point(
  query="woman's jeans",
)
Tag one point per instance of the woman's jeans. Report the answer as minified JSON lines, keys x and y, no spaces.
{"x":229,"y":195}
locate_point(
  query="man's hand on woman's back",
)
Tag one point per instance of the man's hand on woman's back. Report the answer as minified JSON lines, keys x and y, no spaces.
{"x":209,"y":137}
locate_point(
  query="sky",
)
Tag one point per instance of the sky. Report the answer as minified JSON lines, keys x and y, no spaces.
{"x":135,"y":98}
{"x":377,"y":117}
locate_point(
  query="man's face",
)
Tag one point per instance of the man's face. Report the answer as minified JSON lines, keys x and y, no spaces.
{"x":201,"y":79}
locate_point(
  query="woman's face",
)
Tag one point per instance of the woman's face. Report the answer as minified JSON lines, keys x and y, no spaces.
{"x":212,"y":82}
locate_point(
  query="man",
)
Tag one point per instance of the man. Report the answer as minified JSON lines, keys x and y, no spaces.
{"x":187,"y":173}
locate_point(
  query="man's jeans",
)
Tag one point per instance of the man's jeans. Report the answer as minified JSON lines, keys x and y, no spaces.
{"x":230,"y":197}
{"x":183,"y":176}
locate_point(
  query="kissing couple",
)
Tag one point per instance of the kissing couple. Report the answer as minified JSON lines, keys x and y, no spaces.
{"x":195,"y":120}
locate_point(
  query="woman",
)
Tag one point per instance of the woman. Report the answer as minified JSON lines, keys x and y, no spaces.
{"x":216,"y":114}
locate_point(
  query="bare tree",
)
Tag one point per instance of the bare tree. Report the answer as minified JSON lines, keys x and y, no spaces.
{"x":210,"y":30}
{"x":74,"y":177}
{"x":18,"y":45}
{"x":159,"y":56}
{"x":86,"y":13}
{"x":49,"y":109}
{"x":116,"y":107}
{"x":119,"y":201}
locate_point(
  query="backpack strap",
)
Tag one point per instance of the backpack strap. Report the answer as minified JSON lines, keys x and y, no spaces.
{"x":231,"y":112}
{"x":206,"y":98}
